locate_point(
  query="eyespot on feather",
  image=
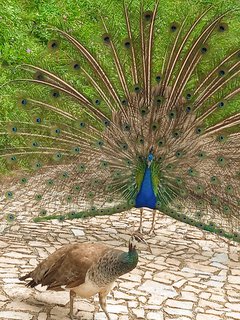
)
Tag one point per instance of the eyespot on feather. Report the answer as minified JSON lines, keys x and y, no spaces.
{"x":106,"y":38}
{"x":53,"y":45}
{"x":222,"y":27}
{"x":147,"y":16}
{"x":174,"y":26}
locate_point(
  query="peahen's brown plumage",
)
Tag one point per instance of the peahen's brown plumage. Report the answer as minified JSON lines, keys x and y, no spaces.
{"x":85,"y":269}
{"x":103,"y":140}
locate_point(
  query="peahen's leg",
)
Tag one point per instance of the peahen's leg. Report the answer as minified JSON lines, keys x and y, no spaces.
{"x":72,"y":296}
{"x":103,"y":304}
{"x":140,"y":229}
{"x":153,"y":222}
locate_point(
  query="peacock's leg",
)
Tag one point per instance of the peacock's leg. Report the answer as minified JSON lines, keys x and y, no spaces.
{"x":103,"y":304}
{"x":153,"y":222}
{"x":140,"y":229}
{"x":72,"y":296}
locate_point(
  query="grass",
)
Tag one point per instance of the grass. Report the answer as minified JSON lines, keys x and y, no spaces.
{"x":25,"y":29}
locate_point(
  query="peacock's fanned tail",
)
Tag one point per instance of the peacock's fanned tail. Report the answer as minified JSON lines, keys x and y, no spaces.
{"x":76,"y":156}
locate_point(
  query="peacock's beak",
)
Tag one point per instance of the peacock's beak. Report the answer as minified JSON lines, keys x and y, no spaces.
{"x":149,"y":162}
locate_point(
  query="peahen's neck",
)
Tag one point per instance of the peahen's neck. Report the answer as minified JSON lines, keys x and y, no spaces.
{"x":146,"y":196}
{"x":114,"y":264}
{"x":126,"y":262}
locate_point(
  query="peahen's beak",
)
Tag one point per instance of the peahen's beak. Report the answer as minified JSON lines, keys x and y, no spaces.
{"x":139,"y":238}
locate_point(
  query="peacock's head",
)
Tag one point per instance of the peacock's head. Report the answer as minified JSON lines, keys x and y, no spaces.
{"x":150,"y":157}
{"x":134,"y":241}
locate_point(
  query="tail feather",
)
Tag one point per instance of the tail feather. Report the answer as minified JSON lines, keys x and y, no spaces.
{"x":135,"y":75}
{"x":31,"y":283}
{"x":88,"y":155}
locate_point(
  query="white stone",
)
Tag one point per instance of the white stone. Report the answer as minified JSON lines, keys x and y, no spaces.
{"x":204,"y":316}
{"x":17,"y":291}
{"x":221,"y":258}
{"x":216,"y":284}
{"x":123,"y":317}
{"x":158,"y":289}
{"x":15,"y":315}
{"x":139,"y":313}
{"x":156,"y":300}
{"x":216,"y":297}
{"x":49,"y":297}
{"x":178,"y":318}
{"x":83,"y":306}
{"x":23,"y":306}
{"x":121,"y":295}
{"x":142,"y":299}
{"x":9,"y":260}
{"x":84,"y":315}
{"x":155,"y":316}
{"x":235,"y":315}
{"x":3,"y":298}
{"x":42,"y":316}
{"x":179,"y":304}
{"x":60,"y":311}
{"x":233,"y":306}
{"x":132,"y":304}
{"x":78,"y":232}
{"x":11,"y":280}
{"x":117,"y":309}
{"x":131,"y":277}
{"x":102,"y":316}
{"x":219,"y":265}
{"x":234,"y":279}
{"x":216,"y":312}
{"x":175,"y":311}
{"x":205,"y":295}
{"x":110,"y":230}
{"x":207,"y":303}
{"x":190,"y":296}
{"x":179,"y":283}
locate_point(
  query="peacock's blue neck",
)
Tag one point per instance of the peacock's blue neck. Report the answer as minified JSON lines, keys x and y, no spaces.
{"x":146,"y":196}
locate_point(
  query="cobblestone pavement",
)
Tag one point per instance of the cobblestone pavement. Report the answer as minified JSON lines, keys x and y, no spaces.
{"x":189,"y":275}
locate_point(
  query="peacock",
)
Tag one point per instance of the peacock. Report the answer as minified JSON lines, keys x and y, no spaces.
{"x":85,"y":269}
{"x":154,"y":127}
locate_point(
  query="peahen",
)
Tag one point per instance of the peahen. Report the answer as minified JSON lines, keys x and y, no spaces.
{"x":85,"y":269}
{"x":154,"y":128}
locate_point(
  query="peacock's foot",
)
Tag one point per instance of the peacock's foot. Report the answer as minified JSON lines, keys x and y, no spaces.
{"x":152,"y":232}
{"x":143,"y":232}
{"x":140,"y":230}
{"x":73,"y":317}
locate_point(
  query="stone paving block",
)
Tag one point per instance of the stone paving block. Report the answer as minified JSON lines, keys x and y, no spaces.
{"x":50,"y":297}
{"x":15,"y":315}
{"x":190,"y":275}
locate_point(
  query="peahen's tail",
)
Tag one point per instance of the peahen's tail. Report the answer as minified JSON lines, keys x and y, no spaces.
{"x":81,"y":143}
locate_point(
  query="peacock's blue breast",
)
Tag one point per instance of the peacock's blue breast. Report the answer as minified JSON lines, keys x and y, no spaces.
{"x":146,"y":196}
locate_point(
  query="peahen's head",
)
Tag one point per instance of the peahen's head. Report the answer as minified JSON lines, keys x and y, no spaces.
{"x":134,"y":241}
